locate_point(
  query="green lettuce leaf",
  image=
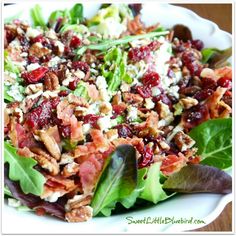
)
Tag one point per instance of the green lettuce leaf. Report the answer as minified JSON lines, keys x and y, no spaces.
{"x":21,"y":169}
{"x":76,"y":14}
{"x":153,"y":191}
{"x":37,"y":16}
{"x":214,"y":142}
{"x":81,"y":90}
{"x":118,"y":180}
{"x":199,"y":179}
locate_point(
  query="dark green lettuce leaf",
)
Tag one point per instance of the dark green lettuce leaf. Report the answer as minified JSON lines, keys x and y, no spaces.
{"x":199,"y":179}
{"x":214,"y":142}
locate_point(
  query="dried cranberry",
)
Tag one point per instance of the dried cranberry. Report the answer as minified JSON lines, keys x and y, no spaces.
{"x":38,"y":39}
{"x":154,"y":45}
{"x":194,"y":68}
{"x":23,"y":40}
{"x":179,"y":48}
{"x":203,"y":94}
{"x":64,"y":130}
{"x":124,"y":131}
{"x":188,"y":57}
{"x":10,"y":35}
{"x":151,"y":78}
{"x":198,"y":44}
{"x":63,"y":93}
{"x":118,"y":109}
{"x":54,"y":102}
{"x":73,"y":84}
{"x":147,"y":157}
{"x":225,"y":82}
{"x":83,"y":66}
{"x":75,"y":42}
{"x":144,"y":91}
{"x":46,"y":58}
{"x":33,"y":59}
{"x":195,"y":116}
{"x":208,"y":83}
{"x":91,"y":119}
{"x":34,"y":76}
{"x":40,"y":115}
{"x":137,"y":54}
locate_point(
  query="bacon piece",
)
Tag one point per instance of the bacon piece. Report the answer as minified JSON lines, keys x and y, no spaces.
{"x":76,"y":129}
{"x":93,"y":92}
{"x":65,"y":112}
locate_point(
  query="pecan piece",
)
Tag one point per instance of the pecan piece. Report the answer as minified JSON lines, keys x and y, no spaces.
{"x":81,"y":214}
{"x":38,"y":50}
{"x":78,"y":201}
{"x":132,"y":98}
{"x":50,"y":144}
{"x":45,"y":161}
{"x":51,"y":81}
{"x":183,"y":141}
{"x":188,"y":102}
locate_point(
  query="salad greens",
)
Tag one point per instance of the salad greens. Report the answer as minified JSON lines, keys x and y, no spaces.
{"x":214,"y":142}
{"x":21,"y":169}
{"x":118,"y":180}
{"x":37,"y":16}
{"x":199,"y":179}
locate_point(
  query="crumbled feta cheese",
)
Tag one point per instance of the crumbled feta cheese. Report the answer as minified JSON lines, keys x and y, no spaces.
{"x":66,"y":159}
{"x":60,"y":46}
{"x":86,"y":128}
{"x":132,"y":113}
{"x":149,"y":104}
{"x":15,"y":93}
{"x":54,"y":197}
{"x":33,"y":66}
{"x":15,"y":43}
{"x":93,"y":108}
{"x":104,"y":123}
{"x":32,"y":33}
{"x":102,"y":87}
{"x":125,"y":87}
{"x":80,"y":74}
{"x":50,"y":94}
{"x":173,"y":91}
{"x":70,"y":167}
{"x":155,"y":91}
{"x":13,"y":202}
{"x":54,"y":61}
{"x":207,"y":73}
{"x":51,"y":34}
{"x":24,"y":54}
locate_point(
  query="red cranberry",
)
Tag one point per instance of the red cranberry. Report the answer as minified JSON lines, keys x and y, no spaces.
{"x":73,"y":84}
{"x":198,"y":44}
{"x":195,"y":69}
{"x":144,"y":91}
{"x":40,"y":115}
{"x":124,"y":131}
{"x":46,"y":58}
{"x":225,"y":82}
{"x":64,"y":130}
{"x":151,"y":78}
{"x":34,"y":76}
{"x":54,"y":102}
{"x":38,"y":39}
{"x":83,"y":66}
{"x":195,"y":116}
{"x":203,"y":94}
{"x":137,"y":54}
{"x":118,"y":109}
{"x":179,"y":48}
{"x":75,"y":42}
{"x":91,"y":119}
{"x":147,"y":157}
{"x":188,"y":57}
{"x":63,"y":93}
{"x":33,"y":59}
{"x":208,"y":83}
{"x":154,"y":45}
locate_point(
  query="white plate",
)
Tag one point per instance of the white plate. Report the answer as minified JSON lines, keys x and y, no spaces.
{"x":205,"y":207}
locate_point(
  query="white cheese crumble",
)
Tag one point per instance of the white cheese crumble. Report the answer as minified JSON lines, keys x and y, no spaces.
{"x":132,"y":113}
{"x":86,"y":128}
{"x":102,"y":87}
{"x":54,"y":61}
{"x":15,"y":93}
{"x":155,"y":91}
{"x":104,"y":123}
{"x":32,"y":33}
{"x":54,"y":197}
{"x":60,"y":46}
{"x":33,"y":66}
{"x":149,"y":104}
{"x":13,"y":202}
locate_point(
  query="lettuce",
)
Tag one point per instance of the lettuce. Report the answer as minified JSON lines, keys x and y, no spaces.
{"x":37,"y":16}
{"x":81,"y":90}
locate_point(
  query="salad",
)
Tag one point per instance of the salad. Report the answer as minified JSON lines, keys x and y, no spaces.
{"x":105,"y":114}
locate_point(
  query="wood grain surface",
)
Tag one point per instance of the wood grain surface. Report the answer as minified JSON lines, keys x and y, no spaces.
{"x":221,"y":14}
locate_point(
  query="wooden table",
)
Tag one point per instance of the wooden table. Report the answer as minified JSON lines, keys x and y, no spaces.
{"x":221,"y":14}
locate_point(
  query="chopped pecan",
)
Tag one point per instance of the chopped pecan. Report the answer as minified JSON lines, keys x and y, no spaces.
{"x":38,"y":50}
{"x":132,"y":98}
{"x":77,"y":101}
{"x":183,"y":141}
{"x":30,"y":101}
{"x":81,"y":214}
{"x":33,"y":88}
{"x":51,"y":81}
{"x":50,"y":144}
{"x":46,"y":161}
{"x":105,"y":108}
{"x":78,"y":201}
{"x":70,"y":169}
